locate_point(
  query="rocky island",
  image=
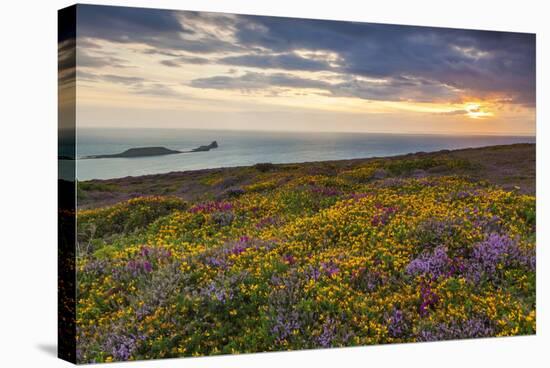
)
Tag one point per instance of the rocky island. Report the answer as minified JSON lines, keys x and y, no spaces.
{"x":153,"y":151}
{"x":212,"y":145}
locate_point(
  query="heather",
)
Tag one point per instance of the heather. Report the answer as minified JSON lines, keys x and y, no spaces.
{"x":310,"y":256}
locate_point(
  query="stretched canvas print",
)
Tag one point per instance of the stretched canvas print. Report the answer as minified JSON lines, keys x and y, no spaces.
{"x":236,"y":184}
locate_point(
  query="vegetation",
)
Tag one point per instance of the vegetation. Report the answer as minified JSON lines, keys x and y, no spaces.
{"x":321,"y":257}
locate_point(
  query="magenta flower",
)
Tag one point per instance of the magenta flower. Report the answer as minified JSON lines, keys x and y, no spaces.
{"x":147,"y":267}
{"x":209,"y":207}
{"x":289,"y":259}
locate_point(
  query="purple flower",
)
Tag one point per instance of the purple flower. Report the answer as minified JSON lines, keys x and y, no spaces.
{"x":330,"y":268}
{"x":357,"y":196}
{"x":496,"y":251}
{"x":219,"y":257}
{"x":217,"y":261}
{"x":383,"y":216}
{"x":144,"y":251}
{"x":397,"y":324}
{"x":390,"y":182}
{"x":147,"y":267}
{"x":238,"y":249}
{"x":313,"y":273}
{"x":224,"y":288}
{"x":329,"y":333}
{"x":428,"y":300}
{"x":471,"y":328}
{"x":367,"y":279}
{"x":218,"y":292}
{"x":97,"y":267}
{"x":434,"y":265}
{"x":133,"y":267}
{"x":434,"y":232}
{"x":328,"y":192}
{"x":137,"y":267}
{"x":289,"y":259}
{"x":208,"y":207}
{"x":284,"y":323}
{"x":120,"y":346}
{"x":268,"y":221}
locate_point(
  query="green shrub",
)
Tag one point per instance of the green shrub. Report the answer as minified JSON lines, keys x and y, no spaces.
{"x":125,"y":217}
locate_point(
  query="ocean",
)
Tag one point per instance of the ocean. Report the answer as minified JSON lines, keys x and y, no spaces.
{"x":241,"y":148}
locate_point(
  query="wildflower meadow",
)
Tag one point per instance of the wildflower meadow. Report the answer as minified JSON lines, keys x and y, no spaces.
{"x":375,"y":253}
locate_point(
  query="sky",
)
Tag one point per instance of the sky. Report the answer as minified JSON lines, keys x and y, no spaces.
{"x":150,"y":68}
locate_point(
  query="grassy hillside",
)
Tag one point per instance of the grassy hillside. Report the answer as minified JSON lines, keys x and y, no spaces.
{"x":274,"y":257}
{"x":508,"y":166}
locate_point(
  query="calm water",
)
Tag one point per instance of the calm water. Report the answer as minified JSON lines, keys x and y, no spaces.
{"x":247,"y":148}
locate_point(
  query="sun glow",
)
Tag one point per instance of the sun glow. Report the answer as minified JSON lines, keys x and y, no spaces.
{"x":475,"y":110}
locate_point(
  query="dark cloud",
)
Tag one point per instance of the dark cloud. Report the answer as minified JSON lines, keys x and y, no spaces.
{"x":390,"y":90}
{"x":256,"y":81}
{"x":481,"y":64}
{"x":177,"y":62}
{"x":159,"y":52}
{"x":172,"y":63}
{"x":157,"y":28}
{"x":288,"y":61}
{"x":119,"y":23}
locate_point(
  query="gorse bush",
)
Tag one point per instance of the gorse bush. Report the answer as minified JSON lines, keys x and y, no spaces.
{"x":315,"y":261}
{"x":126,"y":217}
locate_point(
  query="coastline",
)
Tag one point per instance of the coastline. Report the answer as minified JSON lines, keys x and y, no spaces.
{"x":511,"y":167}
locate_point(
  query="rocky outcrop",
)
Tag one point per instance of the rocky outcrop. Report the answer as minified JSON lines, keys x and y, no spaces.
{"x":140,"y":152}
{"x":212,"y":145}
{"x":153,"y":151}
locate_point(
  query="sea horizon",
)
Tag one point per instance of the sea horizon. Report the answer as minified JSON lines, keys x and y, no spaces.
{"x":442,"y":133}
{"x":248,"y":147}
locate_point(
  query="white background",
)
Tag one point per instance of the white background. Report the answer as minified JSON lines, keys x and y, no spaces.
{"x":28,"y":173}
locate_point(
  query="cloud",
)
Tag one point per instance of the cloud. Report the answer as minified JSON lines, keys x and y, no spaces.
{"x":128,"y":81}
{"x":160,"y":29}
{"x":287,"y":61}
{"x":400,"y":89}
{"x":135,"y":85}
{"x":66,"y":54}
{"x":85,"y":59}
{"x":479,"y":64}
{"x":177,"y":62}
{"x":119,"y":23}
{"x":256,"y":81}
{"x":454,"y":112}
{"x":159,"y":90}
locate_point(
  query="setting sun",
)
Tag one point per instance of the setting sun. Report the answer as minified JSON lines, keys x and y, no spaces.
{"x":476,"y":111}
